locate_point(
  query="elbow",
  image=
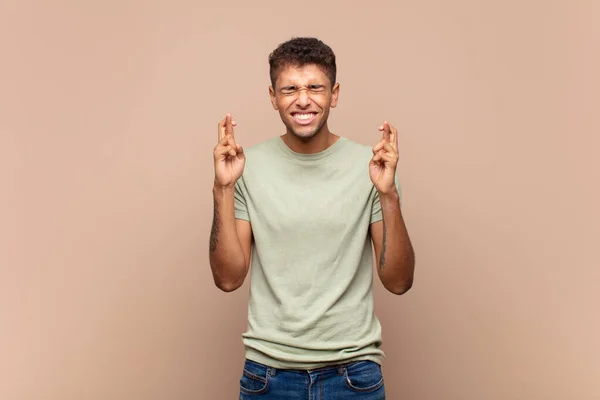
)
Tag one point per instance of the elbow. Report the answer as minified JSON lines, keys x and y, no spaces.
{"x":404,"y":282}
{"x":228,"y":286}
{"x":227,"y":277}
{"x":401,"y":287}
{"x":226,"y":282}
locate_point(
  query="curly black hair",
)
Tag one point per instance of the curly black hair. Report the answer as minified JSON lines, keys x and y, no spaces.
{"x":300,"y":51}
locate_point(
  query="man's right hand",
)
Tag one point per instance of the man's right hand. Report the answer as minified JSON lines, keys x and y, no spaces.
{"x":229,"y":156}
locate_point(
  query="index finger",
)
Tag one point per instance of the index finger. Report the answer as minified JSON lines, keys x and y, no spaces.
{"x":220,"y":129}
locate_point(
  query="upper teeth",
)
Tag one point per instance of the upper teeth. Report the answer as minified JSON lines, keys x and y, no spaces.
{"x":303,"y":116}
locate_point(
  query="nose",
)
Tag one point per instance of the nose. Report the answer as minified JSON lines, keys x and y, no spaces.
{"x":303,"y":98}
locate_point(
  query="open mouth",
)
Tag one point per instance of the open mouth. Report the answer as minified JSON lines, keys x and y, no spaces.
{"x":304,"y":118}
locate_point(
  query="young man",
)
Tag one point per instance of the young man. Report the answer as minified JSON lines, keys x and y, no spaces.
{"x":305,"y":209}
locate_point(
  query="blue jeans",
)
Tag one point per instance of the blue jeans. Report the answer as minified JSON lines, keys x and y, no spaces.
{"x":357,"y":380}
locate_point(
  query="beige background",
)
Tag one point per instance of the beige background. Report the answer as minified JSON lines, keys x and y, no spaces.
{"x":108,"y":113}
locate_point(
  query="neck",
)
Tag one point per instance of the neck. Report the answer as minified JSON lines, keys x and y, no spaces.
{"x":321,"y":141}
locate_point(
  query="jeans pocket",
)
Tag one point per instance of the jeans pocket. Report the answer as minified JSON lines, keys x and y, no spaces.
{"x":255,"y":378}
{"x":364,"y":376}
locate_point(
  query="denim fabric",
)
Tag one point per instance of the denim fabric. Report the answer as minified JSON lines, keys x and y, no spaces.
{"x":358,"y":380}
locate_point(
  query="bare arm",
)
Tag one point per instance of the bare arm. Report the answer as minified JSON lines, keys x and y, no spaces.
{"x":230,"y":243}
{"x":393,"y":249}
{"x":230,"y":238}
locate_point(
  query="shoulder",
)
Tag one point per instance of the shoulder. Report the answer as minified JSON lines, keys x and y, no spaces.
{"x":260,"y":158}
{"x":266,"y":146}
{"x":352,"y":148}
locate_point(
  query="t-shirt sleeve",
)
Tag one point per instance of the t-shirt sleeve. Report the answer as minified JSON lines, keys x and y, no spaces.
{"x":240,"y":205}
{"x":376,"y":213}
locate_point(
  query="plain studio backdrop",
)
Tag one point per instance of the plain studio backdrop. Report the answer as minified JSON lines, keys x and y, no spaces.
{"x":108,"y":115}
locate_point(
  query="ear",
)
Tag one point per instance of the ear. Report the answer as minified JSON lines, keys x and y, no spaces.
{"x":335,"y":92}
{"x":272,"y":96}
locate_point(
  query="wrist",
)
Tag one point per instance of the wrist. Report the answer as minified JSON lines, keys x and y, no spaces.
{"x":223,"y":189}
{"x":389,"y":195}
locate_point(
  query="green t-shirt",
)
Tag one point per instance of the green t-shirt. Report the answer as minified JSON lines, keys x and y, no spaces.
{"x":311,"y":275}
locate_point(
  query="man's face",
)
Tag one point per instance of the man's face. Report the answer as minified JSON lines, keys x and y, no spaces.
{"x":303,"y":97}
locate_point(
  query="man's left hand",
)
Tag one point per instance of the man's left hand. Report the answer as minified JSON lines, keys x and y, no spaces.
{"x":382,"y":167}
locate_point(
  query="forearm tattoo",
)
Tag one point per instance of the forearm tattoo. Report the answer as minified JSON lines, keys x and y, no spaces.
{"x":214,"y":232}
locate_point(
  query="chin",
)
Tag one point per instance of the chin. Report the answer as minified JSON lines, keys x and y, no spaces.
{"x":304,"y":135}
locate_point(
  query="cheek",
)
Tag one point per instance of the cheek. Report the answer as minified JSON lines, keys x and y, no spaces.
{"x":324,"y":101}
{"x":284,"y":103}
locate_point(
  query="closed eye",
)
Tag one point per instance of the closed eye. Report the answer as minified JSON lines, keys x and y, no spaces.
{"x":288,"y":89}
{"x":291,"y":89}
